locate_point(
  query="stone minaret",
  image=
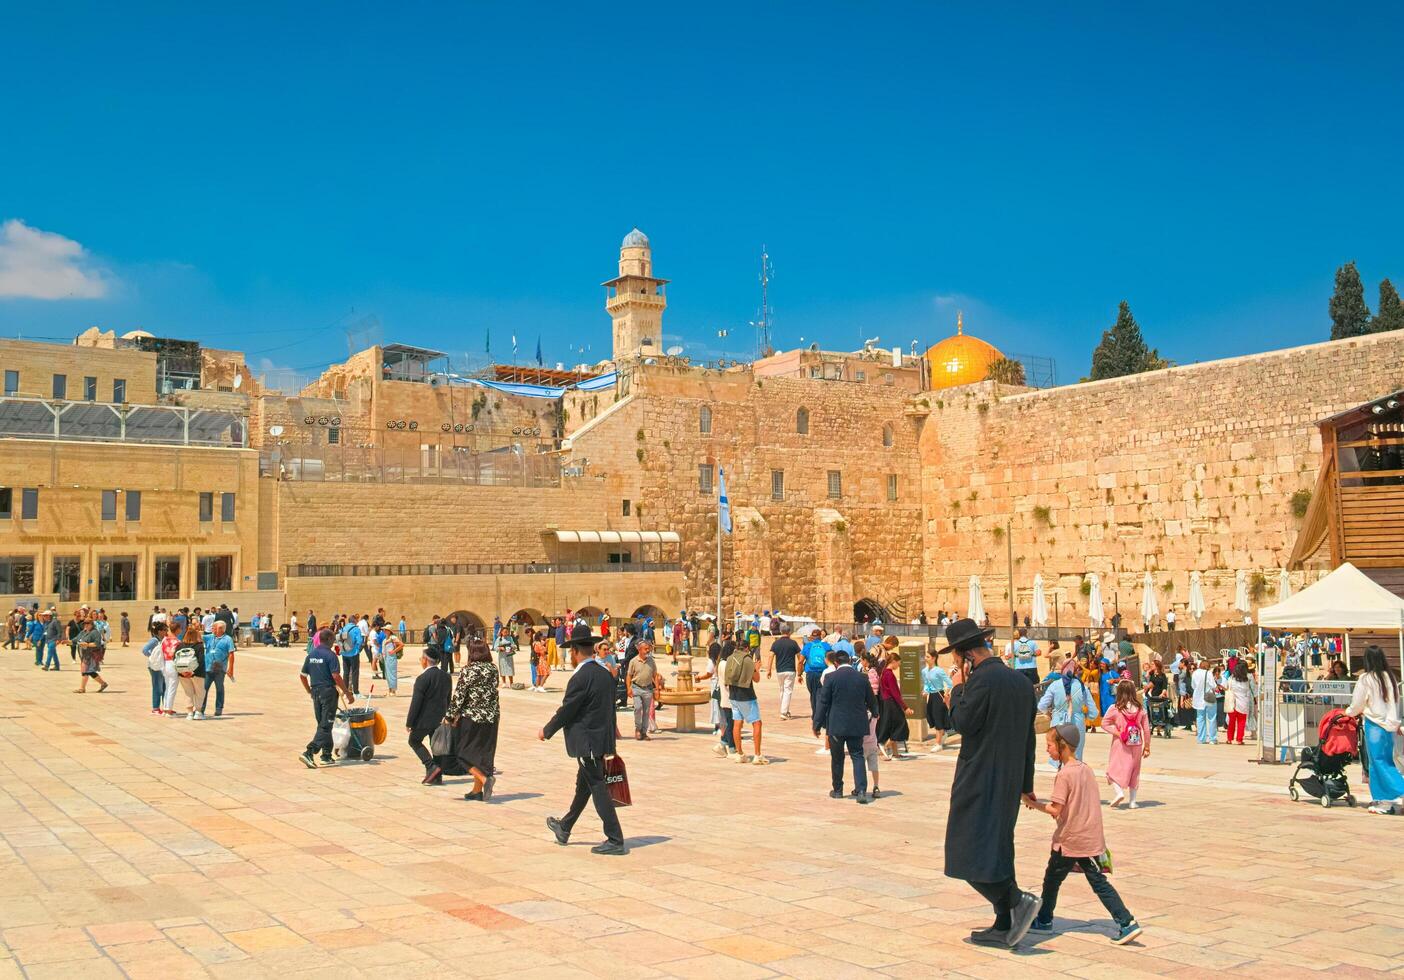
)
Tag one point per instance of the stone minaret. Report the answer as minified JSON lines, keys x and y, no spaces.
{"x":635,"y":301}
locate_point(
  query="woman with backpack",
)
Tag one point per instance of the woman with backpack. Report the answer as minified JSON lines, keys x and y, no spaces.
{"x":156,"y":666}
{"x":1125,"y":721}
{"x":1376,"y":698}
{"x":188,"y":662}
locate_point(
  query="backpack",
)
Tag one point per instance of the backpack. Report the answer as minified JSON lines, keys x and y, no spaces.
{"x":740,"y":669}
{"x":156,"y":659}
{"x":1131,"y":734}
{"x":185,"y":660}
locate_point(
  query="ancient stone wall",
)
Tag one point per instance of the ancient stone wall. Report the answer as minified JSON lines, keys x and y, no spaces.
{"x":1191,"y":468}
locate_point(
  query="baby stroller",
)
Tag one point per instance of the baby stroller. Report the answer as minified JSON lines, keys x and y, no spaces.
{"x":1325,"y":763}
{"x":1161,"y":719}
{"x":284,"y":635}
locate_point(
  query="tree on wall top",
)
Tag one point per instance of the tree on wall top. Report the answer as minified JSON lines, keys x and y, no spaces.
{"x":1123,"y":350}
{"x":1350,"y":317}
{"x":1389,"y":315}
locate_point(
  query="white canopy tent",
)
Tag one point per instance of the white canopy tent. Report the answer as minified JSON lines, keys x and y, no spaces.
{"x":1347,"y":599}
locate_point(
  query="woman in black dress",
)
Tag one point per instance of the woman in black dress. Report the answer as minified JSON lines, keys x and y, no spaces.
{"x":473,"y":710}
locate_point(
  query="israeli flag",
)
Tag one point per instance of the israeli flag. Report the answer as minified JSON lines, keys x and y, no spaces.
{"x":724,"y":504}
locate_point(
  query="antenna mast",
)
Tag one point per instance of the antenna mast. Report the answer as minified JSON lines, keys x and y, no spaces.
{"x":763,"y":346}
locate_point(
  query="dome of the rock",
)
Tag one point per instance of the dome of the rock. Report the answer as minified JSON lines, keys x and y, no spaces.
{"x":960,"y":360}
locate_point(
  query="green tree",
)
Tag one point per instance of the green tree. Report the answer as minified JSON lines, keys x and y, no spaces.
{"x":1350,"y":317}
{"x":1389,"y":315}
{"x":1123,"y":350}
{"x":1006,"y":371}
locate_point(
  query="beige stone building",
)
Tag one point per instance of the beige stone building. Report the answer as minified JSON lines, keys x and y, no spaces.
{"x":142,"y":470}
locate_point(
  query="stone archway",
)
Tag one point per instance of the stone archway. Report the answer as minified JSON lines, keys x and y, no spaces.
{"x":473,"y":625}
{"x":531,"y":617}
{"x":868,"y":609}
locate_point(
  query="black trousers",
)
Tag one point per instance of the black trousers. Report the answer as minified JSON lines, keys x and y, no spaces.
{"x":351,"y":673}
{"x":324,"y":710}
{"x":1003,"y":895}
{"x":854,"y":745}
{"x":416,"y":742}
{"x":1058,"y":868}
{"x":590,"y":785}
{"x":812,"y":680}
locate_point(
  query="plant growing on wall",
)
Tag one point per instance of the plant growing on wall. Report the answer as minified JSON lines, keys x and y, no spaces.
{"x":1043,"y":515}
{"x":639,"y":454}
{"x":638,"y":510}
{"x":955,"y":506}
{"x":1301,"y":500}
{"x":639,"y":435}
{"x":840,"y":527}
{"x":998,"y":532}
{"x":974,"y":496}
{"x":1257,"y":587}
{"x":1168,"y":587}
{"x":1085,"y":588}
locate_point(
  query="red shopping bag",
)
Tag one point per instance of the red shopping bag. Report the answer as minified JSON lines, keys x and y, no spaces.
{"x":617,"y":780}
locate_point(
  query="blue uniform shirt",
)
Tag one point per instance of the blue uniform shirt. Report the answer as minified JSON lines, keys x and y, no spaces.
{"x":321,"y":668}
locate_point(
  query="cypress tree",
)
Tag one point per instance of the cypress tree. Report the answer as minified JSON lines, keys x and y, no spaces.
{"x":1123,"y":350}
{"x":1389,"y":315}
{"x":1350,"y":317}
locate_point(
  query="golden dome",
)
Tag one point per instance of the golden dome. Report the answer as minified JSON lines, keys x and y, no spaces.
{"x":960,"y":360}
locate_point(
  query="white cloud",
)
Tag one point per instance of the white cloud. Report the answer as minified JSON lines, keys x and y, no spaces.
{"x":38,"y":264}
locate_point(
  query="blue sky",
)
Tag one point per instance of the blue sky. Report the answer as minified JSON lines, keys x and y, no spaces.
{"x":267,"y":177}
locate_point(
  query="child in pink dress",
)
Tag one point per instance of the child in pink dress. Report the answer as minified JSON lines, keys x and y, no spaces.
{"x":1128,"y":726}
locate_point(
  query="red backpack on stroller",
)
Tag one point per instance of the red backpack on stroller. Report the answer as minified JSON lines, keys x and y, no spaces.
{"x":1339,"y":734}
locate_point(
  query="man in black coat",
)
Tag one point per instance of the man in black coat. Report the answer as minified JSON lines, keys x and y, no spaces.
{"x":431,"y":697}
{"x":846,"y":702}
{"x":587,"y":715}
{"x":992,"y":707}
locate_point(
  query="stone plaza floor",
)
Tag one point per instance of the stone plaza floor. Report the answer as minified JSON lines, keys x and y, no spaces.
{"x":132,"y":845}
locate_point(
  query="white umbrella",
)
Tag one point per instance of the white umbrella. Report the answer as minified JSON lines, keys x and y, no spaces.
{"x":1284,"y":586}
{"x":1150,"y":606}
{"x":1040,"y":603}
{"x":1095,"y":612}
{"x":1240,"y":592}
{"x":1196,"y":597}
{"x":977,"y":602}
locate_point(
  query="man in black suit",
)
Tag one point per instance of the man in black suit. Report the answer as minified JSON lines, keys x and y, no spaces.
{"x":587,"y":715}
{"x":431,"y":697}
{"x":846,"y":702}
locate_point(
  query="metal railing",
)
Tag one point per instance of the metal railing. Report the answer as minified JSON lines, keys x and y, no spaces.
{"x":430,"y":464}
{"x":84,"y":421}
{"x":519,"y":568}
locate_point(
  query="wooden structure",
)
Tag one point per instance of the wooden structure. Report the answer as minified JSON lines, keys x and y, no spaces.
{"x":1357,"y":509}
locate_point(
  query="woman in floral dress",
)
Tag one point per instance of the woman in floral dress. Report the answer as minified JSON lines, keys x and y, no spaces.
{"x":473,"y":709}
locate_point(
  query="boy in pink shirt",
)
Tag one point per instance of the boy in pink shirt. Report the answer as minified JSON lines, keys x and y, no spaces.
{"x":1078,"y":843}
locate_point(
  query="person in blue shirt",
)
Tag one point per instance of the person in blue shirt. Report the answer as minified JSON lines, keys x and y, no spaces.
{"x":219,"y":664}
{"x":1067,"y":701}
{"x":36,"y":637}
{"x":1024,"y":656}
{"x":935,"y":682}
{"x":158,"y":676}
{"x":815,"y":651}
{"x":844,"y":644}
{"x":321,"y":680}
{"x":351,"y":656}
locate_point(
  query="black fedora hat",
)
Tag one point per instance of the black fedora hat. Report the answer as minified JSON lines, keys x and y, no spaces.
{"x":580,"y":636}
{"x":965,"y":634}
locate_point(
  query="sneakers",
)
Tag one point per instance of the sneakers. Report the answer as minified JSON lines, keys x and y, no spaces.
{"x":760,"y":760}
{"x":719,"y":750}
{"x":821,"y":751}
{"x":740,"y":758}
{"x":198,"y":716}
{"x":307,"y":760}
{"x":835,"y":794}
{"x":1021,"y":917}
{"x":1041,"y":926}
{"x":325,"y":761}
{"x":561,"y":834}
{"x":487,"y":788}
{"x":1126,"y":933}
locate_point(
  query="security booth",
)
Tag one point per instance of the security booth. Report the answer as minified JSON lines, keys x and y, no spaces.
{"x":1290,"y":709}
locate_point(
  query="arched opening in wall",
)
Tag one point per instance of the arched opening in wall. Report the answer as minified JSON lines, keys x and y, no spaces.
{"x":704,"y":419}
{"x":591,"y":615}
{"x":530,"y":617}
{"x":644,"y":613}
{"x":472,"y":624}
{"x":802,"y":421}
{"x":865,"y":610}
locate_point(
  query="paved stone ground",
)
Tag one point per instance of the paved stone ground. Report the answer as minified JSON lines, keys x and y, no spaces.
{"x":139,"y":846}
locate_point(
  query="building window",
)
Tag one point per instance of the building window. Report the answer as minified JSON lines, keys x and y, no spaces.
{"x":621,"y":558}
{"x":90,"y":389}
{"x":11,"y":382}
{"x":16,"y":576}
{"x":29,"y":504}
{"x":835,"y":484}
{"x":60,"y":386}
{"x":7,"y":503}
{"x":67,"y":577}
{"x":334,"y":436}
{"x":704,"y":477}
{"x":892,"y":486}
{"x":626,"y":508}
{"x":119,"y":391}
{"x":206,"y":507}
{"x":167,"y":578}
{"x":802,"y":421}
{"x":887,"y":378}
{"x":704,"y":420}
{"x":226,"y":507}
{"x":887,"y":436}
{"x":777,"y":484}
{"x":133,"y":505}
{"x":109,"y":505}
{"x":117,"y":579}
{"x":214,"y":573}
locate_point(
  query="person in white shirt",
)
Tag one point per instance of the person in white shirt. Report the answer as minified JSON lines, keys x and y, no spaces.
{"x":1204,"y":698}
{"x":1376,"y":698}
